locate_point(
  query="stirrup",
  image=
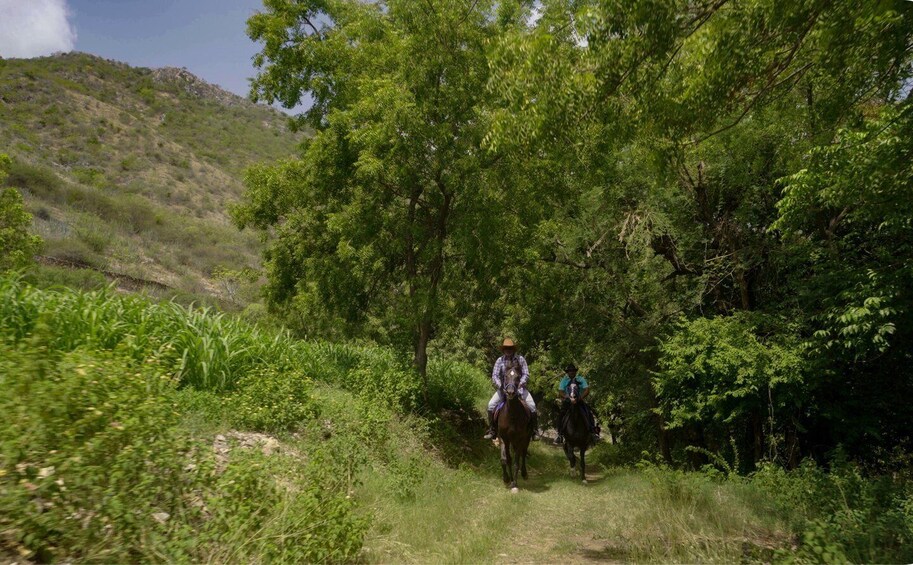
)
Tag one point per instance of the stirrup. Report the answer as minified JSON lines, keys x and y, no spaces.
{"x":490,"y":435}
{"x":559,"y":439}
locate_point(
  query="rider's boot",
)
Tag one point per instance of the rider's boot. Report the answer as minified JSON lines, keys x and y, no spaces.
{"x":492,"y":432}
{"x":594,"y":428}
{"x":534,"y":426}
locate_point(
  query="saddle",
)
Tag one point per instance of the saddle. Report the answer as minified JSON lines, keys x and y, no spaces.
{"x":584,"y":410}
{"x":501,"y":405}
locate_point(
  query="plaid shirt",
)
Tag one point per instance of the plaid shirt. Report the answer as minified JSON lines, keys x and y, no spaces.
{"x":497,"y":374}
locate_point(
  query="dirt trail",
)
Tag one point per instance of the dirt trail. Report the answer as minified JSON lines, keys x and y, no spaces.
{"x":564,"y":517}
{"x":466,"y":515}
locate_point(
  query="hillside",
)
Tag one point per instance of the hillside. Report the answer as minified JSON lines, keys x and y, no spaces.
{"x":132,"y":170}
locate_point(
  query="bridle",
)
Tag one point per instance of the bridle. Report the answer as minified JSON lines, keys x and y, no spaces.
{"x":573,"y":390}
{"x":510,"y":383}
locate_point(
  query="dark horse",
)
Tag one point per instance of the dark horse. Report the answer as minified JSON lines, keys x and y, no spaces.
{"x":513,"y":431}
{"x":576,"y":429}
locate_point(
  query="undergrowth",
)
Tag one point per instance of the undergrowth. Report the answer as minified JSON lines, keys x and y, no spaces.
{"x":97,"y":462}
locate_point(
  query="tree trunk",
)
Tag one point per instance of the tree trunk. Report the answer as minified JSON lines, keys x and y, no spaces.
{"x":792,"y":446}
{"x":662,"y":435}
{"x":420,"y":361}
{"x":757,"y":424}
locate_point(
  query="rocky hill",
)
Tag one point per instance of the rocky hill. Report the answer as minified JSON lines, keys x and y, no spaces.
{"x":132,"y":170}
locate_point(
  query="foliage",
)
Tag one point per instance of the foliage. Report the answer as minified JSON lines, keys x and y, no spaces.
{"x":723,"y":375}
{"x":275,"y":509}
{"x":843,"y":516}
{"x":394,"y":221}
{"x":850,"y":205}
{"x":45,"y":276}
{"x":96,"y":465}
{"x":17,"y":246}
{"x":89,"y":454}
{"x":213,"y":351}
{"x":745,"y":167}
{"x":270,"y":399}
{"x":208,"y":351}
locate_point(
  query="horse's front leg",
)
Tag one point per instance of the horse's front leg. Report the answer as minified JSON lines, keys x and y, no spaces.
{"x":523,"y":472}
{"x":569,"y":453}
{"x":505,"y":461}
{"x":516,"y":468}
{"x":583,"y":464}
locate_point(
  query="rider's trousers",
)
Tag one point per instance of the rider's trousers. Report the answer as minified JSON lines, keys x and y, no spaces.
{"x":524,"y":395}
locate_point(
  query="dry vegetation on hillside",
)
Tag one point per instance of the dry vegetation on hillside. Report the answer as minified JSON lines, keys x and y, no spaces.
{"x":132,"y":170}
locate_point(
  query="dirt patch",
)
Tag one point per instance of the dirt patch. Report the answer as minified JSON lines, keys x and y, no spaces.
{"x":223,"y":444}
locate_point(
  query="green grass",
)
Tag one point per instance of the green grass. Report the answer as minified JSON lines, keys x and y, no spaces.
{"x":465,"y":515}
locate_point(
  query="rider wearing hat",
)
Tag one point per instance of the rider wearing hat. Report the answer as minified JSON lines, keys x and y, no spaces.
{"x":570,"y":375}
{"x":510,"y":359}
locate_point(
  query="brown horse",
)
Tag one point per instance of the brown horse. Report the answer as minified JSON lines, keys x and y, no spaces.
{"x":513,"y":431}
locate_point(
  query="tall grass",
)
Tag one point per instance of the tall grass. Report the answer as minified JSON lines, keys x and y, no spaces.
{"x":209,"y":350}
{"x":205,"y":349}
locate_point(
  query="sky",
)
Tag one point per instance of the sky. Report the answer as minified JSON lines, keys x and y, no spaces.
{"x":206,"y":36}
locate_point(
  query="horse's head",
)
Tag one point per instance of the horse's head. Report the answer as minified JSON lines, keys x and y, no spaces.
{"x":511,"y":383}
{"x":573,"y":390}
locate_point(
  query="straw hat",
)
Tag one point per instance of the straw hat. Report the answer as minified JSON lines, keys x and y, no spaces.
{"x":508,"y":344}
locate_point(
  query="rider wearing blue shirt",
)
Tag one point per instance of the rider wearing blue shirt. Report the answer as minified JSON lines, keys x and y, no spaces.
{"x":571,"y":374}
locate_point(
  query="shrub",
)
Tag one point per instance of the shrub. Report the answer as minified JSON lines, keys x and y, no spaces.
{"x":17,"y":246}
{"x":272,"y":400}
{"x":95,"y":466}
{"x":90,"y":176}
{"x":88,"y":454}
{"x":95,"y":235}
{"x":45,"y":276}
{"x":309,"y":519}
{"x":458,"y":385}
{"x":74,"y":249}
{"x":40,"y":181}
{"x":843,"y":516}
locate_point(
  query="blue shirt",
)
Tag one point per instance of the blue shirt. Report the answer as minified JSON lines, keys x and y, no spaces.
{"x":581,"y":381}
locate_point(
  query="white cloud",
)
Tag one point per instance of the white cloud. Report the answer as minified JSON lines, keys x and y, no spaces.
{"x":31,"y":28}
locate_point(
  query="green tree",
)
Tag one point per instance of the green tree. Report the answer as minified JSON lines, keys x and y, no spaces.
{"x":671,"y":124}
{"x":17,"y":246}
{"x":395,"y":219}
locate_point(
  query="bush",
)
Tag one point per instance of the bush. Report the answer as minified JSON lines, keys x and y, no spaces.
{"x":843,"y":516}
{"x":90,"y":176}
{"x":95,"y":466}
{"x":45,"y":276}
{"x":88,"y":454}
{"x":17,"y":246}
{"x":74,"y":249}
{"x":455,"y":385}
{"x":40,"y":181}
{"x":272,"y":400}
{"x":309,"y":519}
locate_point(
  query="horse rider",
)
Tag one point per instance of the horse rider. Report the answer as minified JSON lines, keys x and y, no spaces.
{"x":571,"y":375}
{"x":508,"y":360}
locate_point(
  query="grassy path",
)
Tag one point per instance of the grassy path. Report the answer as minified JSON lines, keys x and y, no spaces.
{"x":465,"y":515}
